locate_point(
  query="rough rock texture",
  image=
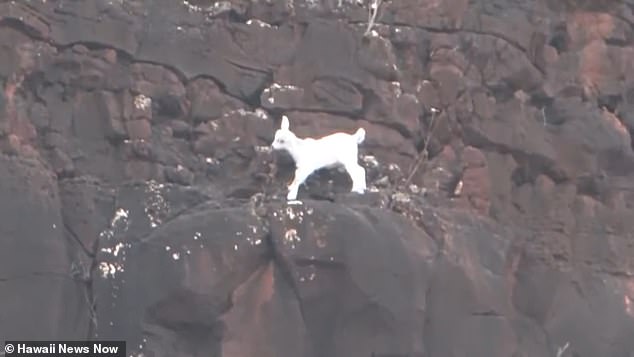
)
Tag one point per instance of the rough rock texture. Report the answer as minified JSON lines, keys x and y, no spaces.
{"x":140,"y":200}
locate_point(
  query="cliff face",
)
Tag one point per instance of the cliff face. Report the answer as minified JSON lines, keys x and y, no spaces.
{"x":139,"y":201}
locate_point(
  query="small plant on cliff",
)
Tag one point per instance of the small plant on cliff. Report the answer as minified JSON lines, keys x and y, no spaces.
{"x":373,"y":11}
{"x":424,"y":154}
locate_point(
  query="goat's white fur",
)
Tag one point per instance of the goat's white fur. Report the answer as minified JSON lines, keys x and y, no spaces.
{"x":310,"y":154}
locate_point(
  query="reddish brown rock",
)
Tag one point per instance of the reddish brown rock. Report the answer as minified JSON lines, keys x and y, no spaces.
{"x":138,"y":187}
{"x":208,"y":101}
{"x":139,"y":129}
{"x":474,"y":186}
{"x":109,"y":105}
{"x":143,"y":170}
{"x":31,"y":266}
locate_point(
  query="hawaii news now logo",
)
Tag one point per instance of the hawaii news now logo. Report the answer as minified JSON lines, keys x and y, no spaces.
{"x":65,"y":348}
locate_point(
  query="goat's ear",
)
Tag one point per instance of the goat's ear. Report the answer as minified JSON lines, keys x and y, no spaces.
{"x":285,"y":123}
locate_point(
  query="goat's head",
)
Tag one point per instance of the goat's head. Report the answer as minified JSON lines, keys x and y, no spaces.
{"x":284,"y":138}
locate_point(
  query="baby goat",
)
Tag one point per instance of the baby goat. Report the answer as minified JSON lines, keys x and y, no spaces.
{"x":310,"y":155}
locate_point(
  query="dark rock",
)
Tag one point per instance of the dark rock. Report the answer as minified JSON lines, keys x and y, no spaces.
{"x":31,"y":266}
{"x":171,"y":106}
{"x":321,"y":269}
{"x":238,"y":131}
{"x":208,"y":101}
{"x":180,"y":129}
{"x":143,"y":170}
{"x":109,"y":105}
{"x":62,"y":164}
{"x":140,"y":199}
{"x":372,"y":199}
{"x":11,"y":145}
{"x":139,"y":129}
{"x":141,"y":149}
{"x":376,"y":55}
{"x":170,"y":289}
{"x":179,"y":175}
{"x":39,"y":115}
{"x":86,"y":209}
{"x":336,"y":95}
{"x":4,"y":129}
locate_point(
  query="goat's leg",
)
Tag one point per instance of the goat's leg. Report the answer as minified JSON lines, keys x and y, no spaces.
{"x":361,"y":184}
{"x":357,"y":174}
{"x":300,"y":176}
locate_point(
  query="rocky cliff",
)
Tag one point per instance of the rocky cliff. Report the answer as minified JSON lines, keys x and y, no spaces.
{"x":139,"y":199}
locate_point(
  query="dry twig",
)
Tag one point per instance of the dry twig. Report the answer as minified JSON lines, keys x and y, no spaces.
{"x":373,"y":11}
{"x":561,"y":350}
{"x":424,"y":154}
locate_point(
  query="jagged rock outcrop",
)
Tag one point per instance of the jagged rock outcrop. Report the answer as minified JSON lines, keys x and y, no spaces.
{"x":140,"y":200}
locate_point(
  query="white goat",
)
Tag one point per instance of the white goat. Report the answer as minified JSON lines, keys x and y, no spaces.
{"x":334,"y":150}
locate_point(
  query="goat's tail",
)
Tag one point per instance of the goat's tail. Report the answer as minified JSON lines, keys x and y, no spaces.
{"x":360,"y":135}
